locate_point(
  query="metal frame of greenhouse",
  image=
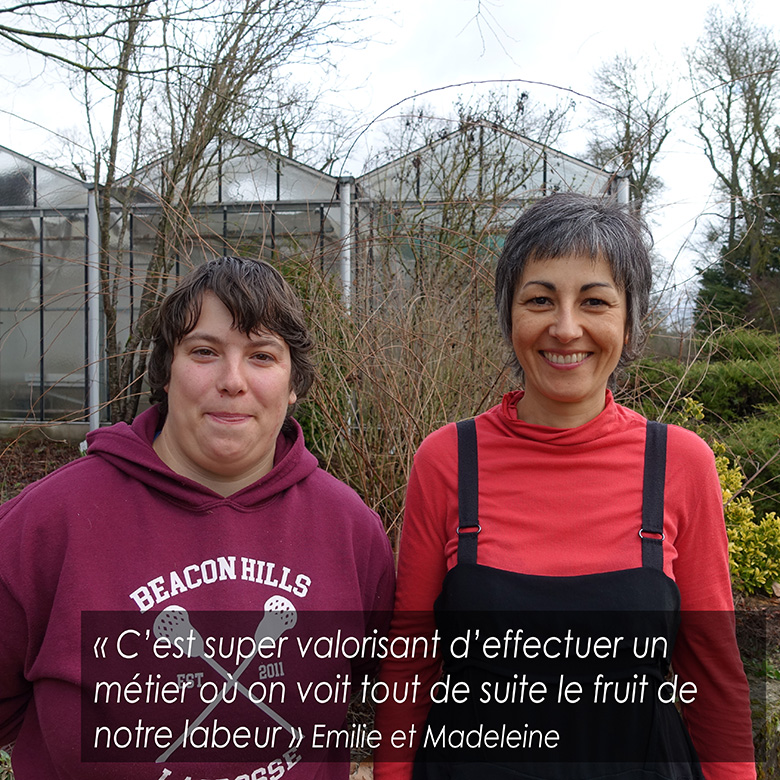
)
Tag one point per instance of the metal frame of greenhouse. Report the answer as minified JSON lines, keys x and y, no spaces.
{"x":263,"y":203}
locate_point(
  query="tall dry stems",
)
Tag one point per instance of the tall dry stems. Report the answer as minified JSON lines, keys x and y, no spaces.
{"x":411,"y":355}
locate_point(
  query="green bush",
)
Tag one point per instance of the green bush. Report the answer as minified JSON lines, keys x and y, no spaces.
{"x":754,"y":442}
{"x":754,"y":551}
{"x":744,"y":344}
{"x":754,"y":545}
{"x":729,"y":391}
{"x":5,"y":766}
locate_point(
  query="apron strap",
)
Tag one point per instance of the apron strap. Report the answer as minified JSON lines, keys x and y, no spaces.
{"x":652,"y":531}
{"x":468,"y":492}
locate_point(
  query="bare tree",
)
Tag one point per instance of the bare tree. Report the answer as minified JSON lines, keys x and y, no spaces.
{"x":457,"y":175}
{"x":56,"y":31}
{"x":630,"y":123}
{"x":734,"y":71}
{"x":179,"y":76}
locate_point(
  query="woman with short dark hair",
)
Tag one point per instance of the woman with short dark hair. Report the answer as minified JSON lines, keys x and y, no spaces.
{"x":189,"y":561}
{"x":255,"y":294}
{"x":561,"y":539}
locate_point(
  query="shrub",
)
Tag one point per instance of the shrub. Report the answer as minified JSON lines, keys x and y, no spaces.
{"x":754,"y":545}
{"x":406,"y":357}
{"x":754,"y":442}
{"x":745,"y":344}
{"x":754,"y":550}
{"x":729,"y":391}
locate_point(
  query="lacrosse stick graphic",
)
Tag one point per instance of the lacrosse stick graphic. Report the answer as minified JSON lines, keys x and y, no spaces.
{"x":174,"y":623}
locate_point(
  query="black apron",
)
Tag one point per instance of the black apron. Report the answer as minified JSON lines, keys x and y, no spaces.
{"x":596,"y":647}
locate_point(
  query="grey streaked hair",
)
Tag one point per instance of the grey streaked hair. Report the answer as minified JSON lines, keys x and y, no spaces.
{"x":568,"y":223}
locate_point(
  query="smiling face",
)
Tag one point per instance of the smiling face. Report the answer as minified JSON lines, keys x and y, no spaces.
{"x":228,"y":395}
{"x":568,"y":332}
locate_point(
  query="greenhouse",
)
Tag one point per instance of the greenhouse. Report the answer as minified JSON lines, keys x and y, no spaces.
{"x":44,"y":224}
{"x":450,"y":198}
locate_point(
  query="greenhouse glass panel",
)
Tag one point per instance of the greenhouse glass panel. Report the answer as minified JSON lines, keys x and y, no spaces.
{"x":248,"y":234}
{"x":55,"y":190}
{"x":136,"y":252}
{"x":248,"y":179}
{"x":16,"y":181}
{"x":19,"y":264}
{"x":300,"y":183}
{"x":42,"y":294}
{"x":19,"y":364}
{"x":208,"y":185}
{"x":64,"y":261}
{"x":64,"y":360}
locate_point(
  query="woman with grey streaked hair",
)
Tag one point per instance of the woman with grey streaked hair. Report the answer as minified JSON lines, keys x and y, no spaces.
{"x":574,"y":537}
{"x":571,"y":224}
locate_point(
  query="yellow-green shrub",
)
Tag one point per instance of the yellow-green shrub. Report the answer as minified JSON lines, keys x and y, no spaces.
{"x":754,"y":551}
{"x":754,"y":544}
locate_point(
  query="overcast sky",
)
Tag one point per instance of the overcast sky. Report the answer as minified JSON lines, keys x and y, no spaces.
{"x":419,"y":45}
{"x":433,"y":43}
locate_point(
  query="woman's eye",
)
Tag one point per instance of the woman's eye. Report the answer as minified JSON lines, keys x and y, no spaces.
{"x":202,"y":351}
{"x":539,"y":300}
{"x":595,"y":302}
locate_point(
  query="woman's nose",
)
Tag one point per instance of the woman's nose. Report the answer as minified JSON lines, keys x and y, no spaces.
{"x":232,"y":379}
{"x":566,"y":326}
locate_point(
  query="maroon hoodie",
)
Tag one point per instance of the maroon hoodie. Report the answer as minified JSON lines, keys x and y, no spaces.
{"x":131,"y":597}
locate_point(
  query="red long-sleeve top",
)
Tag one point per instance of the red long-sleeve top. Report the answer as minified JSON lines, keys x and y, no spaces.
{"x":563,"y":502}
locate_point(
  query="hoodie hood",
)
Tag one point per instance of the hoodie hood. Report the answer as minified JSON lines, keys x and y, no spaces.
{"x":128,"y":448}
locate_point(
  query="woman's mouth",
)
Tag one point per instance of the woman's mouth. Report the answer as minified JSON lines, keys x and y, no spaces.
{"x":228,"y":417}
{"x":565,"y":360}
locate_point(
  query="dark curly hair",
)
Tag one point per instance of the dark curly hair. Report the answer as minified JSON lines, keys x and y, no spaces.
{"x":256,"y":295}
